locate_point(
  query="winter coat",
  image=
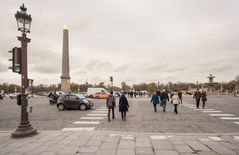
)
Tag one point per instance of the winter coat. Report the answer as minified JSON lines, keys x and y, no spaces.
{"x":155,"y":99}
{"x":197,"y":95}
{"x":204,"y":96}
{"x":175,"y":99}
{"x":108,"y":99}
{"x":123,"y":104}
{"x":164,"y":96}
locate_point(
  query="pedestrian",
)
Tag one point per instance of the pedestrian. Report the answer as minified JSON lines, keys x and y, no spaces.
{"x":123,"y":106}
{"x":197,"y":96}
{"x":176,"y":101}
{"x":180,"y":95}
{"x":164,"y":98}
{"x":110,"y":104}
{"x":155,"y":101}
{"x":204,"y":98}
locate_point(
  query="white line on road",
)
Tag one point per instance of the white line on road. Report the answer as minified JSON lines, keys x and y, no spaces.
{"x":212,"y":111}
{"x":79,"y":129}
{"x":86,"y":122}
{"x":96,"y":114}
{"x":230,"y":118}
{"x":160,"y":137}
{"x":101,"y":109}
{"x":215,"y":138}
{"x":202,"y":109}
{"x":104,"y":112}
{"x":236,"y":122}
{"x":92,"y":118}
{"x":221,"y":114}
{"x":236,"y":137}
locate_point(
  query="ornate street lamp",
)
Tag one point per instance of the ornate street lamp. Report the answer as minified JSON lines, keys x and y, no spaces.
{"x":24,"y":24}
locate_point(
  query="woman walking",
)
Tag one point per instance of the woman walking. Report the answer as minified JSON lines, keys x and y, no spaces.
{"x":123,"y":106}
{"x":155,"y":101}
{"x":176,"y":101}
{"x":204,"y":98}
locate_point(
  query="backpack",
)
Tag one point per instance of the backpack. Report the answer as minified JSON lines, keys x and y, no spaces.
{"x":110,"y":102}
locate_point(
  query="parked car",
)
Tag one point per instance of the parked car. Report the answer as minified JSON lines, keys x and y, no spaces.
{"x":73,"y":101}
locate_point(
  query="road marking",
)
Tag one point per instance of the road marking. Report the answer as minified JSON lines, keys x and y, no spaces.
{"x":203,"y":109}
{"x":160,"y":137}
{"x":96,"y":114}
{"x":79,"y":129}
{"x":101,"y":109}
{"x":192,"y":107}
{"x":215,"y":138}
{"x":236,"y":137}
{"x":92,"y":118}
{"x":230,"y":118}
{"x":128,"y":137}
{"x":104,"y":112}
{"x":86,"y":122}
{"x":236,"y":122}
{"x":221,"y":114}
{"x":212,"y":111}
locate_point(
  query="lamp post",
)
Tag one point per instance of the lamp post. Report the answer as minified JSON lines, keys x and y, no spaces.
{"x":24,"y":24}
{"x":111,"y":80}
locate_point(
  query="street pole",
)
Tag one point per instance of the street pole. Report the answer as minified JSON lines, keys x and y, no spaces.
{"x":24,"y":21}
{"x":24,"y":129}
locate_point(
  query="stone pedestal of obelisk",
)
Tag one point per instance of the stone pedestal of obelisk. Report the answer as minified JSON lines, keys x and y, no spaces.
{"x":65,"y":77}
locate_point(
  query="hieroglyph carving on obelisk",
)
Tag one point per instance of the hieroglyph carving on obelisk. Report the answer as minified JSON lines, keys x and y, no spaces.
{"x":65,"y":77}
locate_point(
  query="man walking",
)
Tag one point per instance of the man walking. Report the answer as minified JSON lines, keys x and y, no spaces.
{"x":164,"y":97}
{"x":197,"y":96}
{"x":110,"y":104}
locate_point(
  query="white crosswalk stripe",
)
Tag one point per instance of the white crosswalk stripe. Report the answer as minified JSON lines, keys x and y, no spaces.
{"x":215,"y":138}
{"x":103,"y":112}
{"x":229,"y":118}
{"x":236,"y":123}
{"x":221,"y":114}
{"x":86,"y":122}
{"x":96,"y":114}
{"x":203,"y":109}
{"x":92,"y":118}
{"x":79,"y":129}
{"x":211,"y":111}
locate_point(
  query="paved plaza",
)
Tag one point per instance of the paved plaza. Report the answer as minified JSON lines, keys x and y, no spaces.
{"x":209,"y":131}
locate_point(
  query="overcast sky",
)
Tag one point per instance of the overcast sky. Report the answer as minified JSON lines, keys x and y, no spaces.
{"x":134,"y":41}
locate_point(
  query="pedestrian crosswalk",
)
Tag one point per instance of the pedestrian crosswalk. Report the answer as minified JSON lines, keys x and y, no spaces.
{"x":90,"y":121}
{"x":213,"y":112}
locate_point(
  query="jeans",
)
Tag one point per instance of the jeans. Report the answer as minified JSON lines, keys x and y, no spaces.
{"x":164,"y":102}
{"x":113,"y":113}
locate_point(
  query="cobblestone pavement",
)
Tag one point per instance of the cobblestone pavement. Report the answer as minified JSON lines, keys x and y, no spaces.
{"x":119,"y":143}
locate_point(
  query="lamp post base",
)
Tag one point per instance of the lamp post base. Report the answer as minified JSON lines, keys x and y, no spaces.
{"x":24,"y":131}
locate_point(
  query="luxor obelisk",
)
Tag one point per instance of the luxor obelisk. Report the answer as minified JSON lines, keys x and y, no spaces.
{"x":65,"y":77}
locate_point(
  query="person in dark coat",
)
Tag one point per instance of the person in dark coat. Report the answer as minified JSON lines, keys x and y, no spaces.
{"x":123,"y":106}
{"x":204,"y":98}
{"x":180,"y":95}
{"x":197,"y":96}
{"x":164,"y":98}
{"x":110,"y":104}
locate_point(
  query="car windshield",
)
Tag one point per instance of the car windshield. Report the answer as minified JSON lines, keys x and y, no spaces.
{"x":80,"y":96}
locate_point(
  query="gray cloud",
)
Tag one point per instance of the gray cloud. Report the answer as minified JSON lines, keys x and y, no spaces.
{"x":134,"y":41}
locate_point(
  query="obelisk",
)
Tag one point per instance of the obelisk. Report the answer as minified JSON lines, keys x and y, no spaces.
{"x":65,"y":77}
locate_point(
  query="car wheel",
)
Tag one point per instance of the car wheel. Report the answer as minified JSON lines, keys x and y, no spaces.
{"x":61,"y":107}
{"x":83,"y":106}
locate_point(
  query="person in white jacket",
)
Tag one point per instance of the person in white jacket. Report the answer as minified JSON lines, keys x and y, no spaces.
{"x":175,"y":101}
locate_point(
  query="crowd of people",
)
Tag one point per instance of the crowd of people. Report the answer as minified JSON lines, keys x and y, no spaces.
{"x":161,"y":98}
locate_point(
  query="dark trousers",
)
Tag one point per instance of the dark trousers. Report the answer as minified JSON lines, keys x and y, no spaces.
{"x":197,"y":103}
{"x":176,"y":108}
{"x":203,"y":104}
{"x":113,"y":113}
{"x":123,"y":115}
{"x":155,"y":107}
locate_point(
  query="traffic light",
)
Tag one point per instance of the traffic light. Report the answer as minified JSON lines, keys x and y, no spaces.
{"x":111,"y":78}
{"x":16,"y":60}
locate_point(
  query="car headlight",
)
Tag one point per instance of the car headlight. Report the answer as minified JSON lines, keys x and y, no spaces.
{"x":86,"y":101}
